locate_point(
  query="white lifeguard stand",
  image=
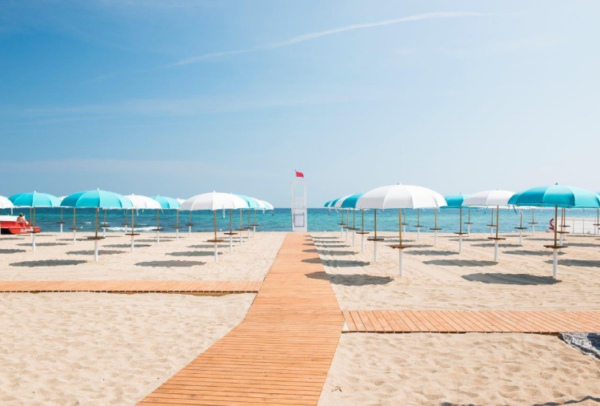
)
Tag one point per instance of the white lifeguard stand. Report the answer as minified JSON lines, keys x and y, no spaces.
{"x":299,"y":209}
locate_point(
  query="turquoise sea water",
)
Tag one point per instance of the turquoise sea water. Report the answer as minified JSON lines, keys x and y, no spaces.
{"x":280,"y":219}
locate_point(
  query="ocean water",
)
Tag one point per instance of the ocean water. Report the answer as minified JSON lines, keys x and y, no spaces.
{"x":280,"y":219}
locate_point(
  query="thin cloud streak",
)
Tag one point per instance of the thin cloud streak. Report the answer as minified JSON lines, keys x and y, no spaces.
{"x":315,"y":35}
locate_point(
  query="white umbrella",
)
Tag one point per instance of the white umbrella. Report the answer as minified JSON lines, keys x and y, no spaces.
{"x":267,"y":205}
{"x":144,"y":202}
{"x":491,"y":198}
{"x":214,"y":201}
{"x":5,"y":203}
{"x":399,"y":197}
{"x":239,"y":203}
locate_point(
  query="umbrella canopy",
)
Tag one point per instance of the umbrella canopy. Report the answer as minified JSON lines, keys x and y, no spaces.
{"x":215,"y":201}
{"x":250,"y":201}
{"x":268,"y":206}
{"x":339,"y":202}
{"x":97,"y":199}
{"x":350,"y":201}
{"x":167,"y":202}
{"x":34,"y":200}
{"x":489,"y":198}
{"x":5,"y":203}
{"x":556,"y":195}
{"x":400,"y":197}
{"x":180,"y":200}
{"x":143,"y":202}
{"x":328,"y":203}
{"x":455,"y":201}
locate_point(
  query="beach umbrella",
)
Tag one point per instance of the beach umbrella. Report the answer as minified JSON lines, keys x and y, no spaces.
{"x":252,"y":205}
{"x":96,"y":199}
{"x":144,"y":202}
{"x":180,"y":201}
{"x":168,"y":203}
{"x":267,"y":206}
{"x":332,"y":204}
{"x":238,"y":203}
{"x":557,"y":196}
{"x":456,"y":201}
{"x":6,"y":203}
{"x":61,"y":222}
{"x":33,"y":201}
{"x":212,"y":201}
{"x":349,"y":203}
{"x":338,"y":205}
{"x":491,"y":198}
{"x":399,"y":197}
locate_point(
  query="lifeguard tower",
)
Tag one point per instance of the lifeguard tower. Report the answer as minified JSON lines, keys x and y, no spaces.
{"x":299,"y":209}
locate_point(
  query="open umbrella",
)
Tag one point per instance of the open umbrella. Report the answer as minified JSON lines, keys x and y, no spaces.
{"x":168,"y":203}
{"x":491,"y":198}
{"x":32,"y":201}
{"x":456,"y":201}
{"x":349,"y":203}
{"x":144,"y":202}
{"x":399,"y":197}
{"x":5,"y":203}
{"x":342,"y":224}
{"x":557,"y":196}
{"x":252,"y":204}
{"x":212,"y":201}
{"x":61,"y":223}
{"x":239,"y":203}
{"x":96,"y":199}
{"x":338,"y":205}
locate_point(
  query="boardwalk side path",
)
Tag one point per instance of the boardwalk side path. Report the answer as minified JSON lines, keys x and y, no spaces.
{"x":208,"y":287}
{"x":281,"y":352}
{"x":446,"y":321}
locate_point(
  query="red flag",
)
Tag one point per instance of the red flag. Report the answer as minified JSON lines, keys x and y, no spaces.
{"x":299,"y":174}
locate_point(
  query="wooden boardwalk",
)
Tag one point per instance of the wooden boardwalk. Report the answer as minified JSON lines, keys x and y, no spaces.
{"x":202,"y":287}
{"x":280,"y":353}
{"x":429,"y":321}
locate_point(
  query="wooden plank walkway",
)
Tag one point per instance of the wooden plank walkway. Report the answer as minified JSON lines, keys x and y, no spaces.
{"x":203,"y":287}
{"x":280,"y":353}
{"x":447,"y":321}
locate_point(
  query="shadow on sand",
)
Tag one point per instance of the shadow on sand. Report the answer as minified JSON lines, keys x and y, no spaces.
{"x":170,"y":264}
{"x":127,"y":245}
{"x":578,"y":262}
{"x":44,"y":244}
{"x":48,"y":262}
{"x":351,"y":280}
{"x":334,"y":263}
{"x":100,"y":252}
{"x":459,"y":262}
{"x":585,"y":399}
{"x":340,"y":253}
{"x":540,"y":253}
{"x":430,"y":253}
{"x":511,"y":279}
{"x":10,"y":251}
{"x":192,"y":254}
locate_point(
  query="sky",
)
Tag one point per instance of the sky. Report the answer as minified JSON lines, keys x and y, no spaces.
{"x":183,"y":97}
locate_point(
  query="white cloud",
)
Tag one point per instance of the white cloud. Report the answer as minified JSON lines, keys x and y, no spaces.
{"x":315,"y":35}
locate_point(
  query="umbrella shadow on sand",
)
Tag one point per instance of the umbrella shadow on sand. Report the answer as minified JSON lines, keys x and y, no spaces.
{"x":351,"y":280}
{"x":45,"y":244}
{"x":209,"y":246}
{"x":459,"y":262}
{"x":334,"y":253}
{"x":11,"y":251}
{"x":531,"y":252}
{"x":578,"y":262}
{"x":170,"y":264}
{"x":334,"y":263}
{"x":311,"y":251}
{"x":491,"y":245}
{"x":91,"y":252}
{"x":192,"y":254}
{"x":510,"y":279}
{"x":324,"y":238}
{"x":570,"y":402}
{"x":48,"y":262}
{"x":127,"y":245}
{"x":430,"y":253}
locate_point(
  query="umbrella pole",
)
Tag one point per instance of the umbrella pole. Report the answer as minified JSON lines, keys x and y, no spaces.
{"x":215,"y":229}
{"x":418,"y":224}
{"x":158,"y":228}
{"x":348,"y":223}
{"x":132,"y":231}
{"x":555,"y":253}
{"x":96,"y":237}
{"x":190,"y":224}
{"x":469,"y":223}
{"x":241,"y":230}
{"x":492,"y":223}
{"x":400,"y":226}
{"x":61,"y":220}
{"x":248,"y":228}
{"x":230,"y":231}
{"x":33,"y":231}
{"x":375,"y":241}
{"x":125,"y":223}
{"x":254,"y":225}
{"x":353,"y":225}
{"x":74,"y":225}
{"x":342,"y":224}
{"x":177,"y":225}
{"x":460,"y":232}
{"x":497,"y":230}
{"x":521,"y":228}
{"x":362,"y":230}
{"x":532,"y":222}
{"x":435,"y":231}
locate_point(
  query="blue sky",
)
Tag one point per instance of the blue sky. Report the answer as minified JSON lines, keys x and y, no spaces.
{"x":186,"y":96}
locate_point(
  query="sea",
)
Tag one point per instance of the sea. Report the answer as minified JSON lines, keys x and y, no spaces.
{"x":280,"y":219}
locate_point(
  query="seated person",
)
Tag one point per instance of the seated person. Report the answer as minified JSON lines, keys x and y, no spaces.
{"x":21,"y":220}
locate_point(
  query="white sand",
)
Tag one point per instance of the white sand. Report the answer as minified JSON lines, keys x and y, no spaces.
{"x":439,"y":278}
{"x":190,"y":258}
{"x":104,"y":349}
{"x":437,"y":369}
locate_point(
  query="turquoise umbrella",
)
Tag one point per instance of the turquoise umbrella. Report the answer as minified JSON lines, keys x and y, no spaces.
{"x":252,"y":205}
{"x":32,"y":201}
{"x":456,"y":202}
{"x":95,"y":199}
{"x":170,"y":203}
{"x":556,"y":196}
{"x":350,"y":203}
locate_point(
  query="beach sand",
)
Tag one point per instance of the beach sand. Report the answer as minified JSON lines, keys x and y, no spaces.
{"x":444,"y":369}
{"x":190,"y":258}
{"x":439,"y":278}
{"x":104,"y":349}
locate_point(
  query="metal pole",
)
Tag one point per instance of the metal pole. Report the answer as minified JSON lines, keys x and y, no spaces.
{"x":460,"y":232}
{"x":215,"y":228}
{"x":375,"y":241}
{"x":158,"y":227}
{"x":96,"y":237}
